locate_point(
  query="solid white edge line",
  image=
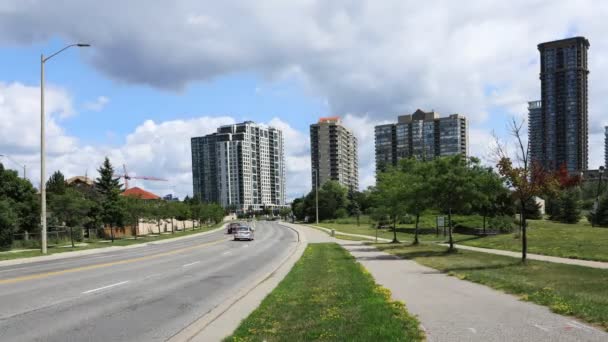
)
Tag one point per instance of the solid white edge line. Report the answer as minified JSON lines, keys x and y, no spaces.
{"x":541,"y":327}
{"x":190,"y":264}
{"x":105,"y":287}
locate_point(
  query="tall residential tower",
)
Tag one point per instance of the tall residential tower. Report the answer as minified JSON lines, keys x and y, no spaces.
{"x":559,"y":134}
{"x":241,"y":166}
{"x":423,"y":135}
{"x":333,"y":152}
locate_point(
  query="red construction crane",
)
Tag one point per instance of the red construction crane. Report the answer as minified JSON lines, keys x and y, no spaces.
{"x":126,"y":177}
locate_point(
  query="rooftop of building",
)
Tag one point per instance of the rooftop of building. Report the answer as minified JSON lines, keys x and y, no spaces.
{"x":140,"y":193}
{"x":80,"y":179}
{"x":420,"y":115}
{"x":330,"y":119}
{"x":564,"y":42}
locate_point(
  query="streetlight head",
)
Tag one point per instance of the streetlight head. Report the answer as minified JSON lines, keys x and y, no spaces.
{"x":602,"y":169}
{"x":83,"y":45}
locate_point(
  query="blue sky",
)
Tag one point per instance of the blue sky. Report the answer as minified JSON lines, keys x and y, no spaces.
{"x":171,"y":72}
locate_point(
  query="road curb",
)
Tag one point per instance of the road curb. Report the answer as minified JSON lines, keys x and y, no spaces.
{"x":222,"y":320}
{"x":66,"y":255}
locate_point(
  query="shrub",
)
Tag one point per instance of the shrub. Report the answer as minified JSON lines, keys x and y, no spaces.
{"x":341,"y":213}
{"x":504,"y":224}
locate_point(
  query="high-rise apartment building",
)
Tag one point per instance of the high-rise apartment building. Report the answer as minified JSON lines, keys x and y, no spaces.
{"x":535,"y":129}
{"x":333,"y":153}
{"x":423,"y":135}
{"x":606,"y":147}
{"x":560,"y":131}
{"x":241,"y":166}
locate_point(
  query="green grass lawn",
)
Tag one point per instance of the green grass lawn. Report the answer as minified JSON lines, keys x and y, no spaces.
{"x":328,"y":296}
{"x":404,"y":232}
{"x":578,"y":241}
{"x":566,"y":289}
{"x":91,"y":244}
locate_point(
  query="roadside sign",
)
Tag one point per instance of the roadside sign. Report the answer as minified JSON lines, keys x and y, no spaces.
{"x":441,"y":221}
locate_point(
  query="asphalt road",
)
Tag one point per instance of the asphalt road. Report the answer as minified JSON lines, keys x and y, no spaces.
{"x":142,"y":294}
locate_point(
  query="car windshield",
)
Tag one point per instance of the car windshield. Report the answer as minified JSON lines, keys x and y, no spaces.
{"x":243,"y":229}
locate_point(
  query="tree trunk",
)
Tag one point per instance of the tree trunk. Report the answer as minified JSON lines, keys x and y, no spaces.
{"x":484,"y":222}
{"x":112,"y":232}
{"x":450,"y":229}
{"x":357,"y":220}
{"x":416,"y":229}
{"x":172,"y":227}
{"x":71,"y":236}
{"x":524,"y":238}
{"x":395,"y":230}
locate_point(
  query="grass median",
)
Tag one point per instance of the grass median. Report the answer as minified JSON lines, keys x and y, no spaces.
{"x":566,"y":289}
{"x":328,"y":296}
{"x":65,"y":246}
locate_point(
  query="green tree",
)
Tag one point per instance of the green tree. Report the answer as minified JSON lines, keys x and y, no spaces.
{"x":490,"y":189}
{"x":8,"y":224}
{"x":416,"y":195}
{"x":354,"y":208}
{"x":182,"y":213}
{"x":526,"y":180}
{"x":389,"y":197}
{"x":56,"y":184}
{"x":570,"y":206}
{"x":453,"y":187}
{"x":70,"y":208}
{"x":22,"y":199}
{"x":134,"y":210}
{"x":109,"y":188}
{"x":298,"y":207}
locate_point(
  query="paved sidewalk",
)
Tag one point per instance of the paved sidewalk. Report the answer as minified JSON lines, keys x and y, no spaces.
{"x":578,"y":262}
{"x":451,"y":309}
{"x":368,"y":237}
{"x":540,"y":257}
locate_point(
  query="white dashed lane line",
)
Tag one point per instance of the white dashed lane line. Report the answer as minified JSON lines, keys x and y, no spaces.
{"x":190,"y":264}
{"x":105,"y":287}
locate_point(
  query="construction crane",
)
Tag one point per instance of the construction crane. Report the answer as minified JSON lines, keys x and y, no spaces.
{"x":127,"y":177}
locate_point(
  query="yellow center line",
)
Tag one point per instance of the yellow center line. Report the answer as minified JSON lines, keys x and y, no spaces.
{"x":107,"y":264}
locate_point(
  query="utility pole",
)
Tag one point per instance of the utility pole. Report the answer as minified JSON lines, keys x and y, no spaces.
{"x":597,"y":197}
{"x":43,"y":147}
{"x":316,"y":171}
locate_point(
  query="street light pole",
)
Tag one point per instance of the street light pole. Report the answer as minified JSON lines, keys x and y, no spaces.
{"x":43,"y":147}
{"x":316,"y":172}
{"x":42,"y":161}
{"x":597,"y":197}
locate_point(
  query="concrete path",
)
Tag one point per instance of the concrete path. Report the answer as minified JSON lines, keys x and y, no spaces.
{"x":578,"y":262}
{"x":450,"y":309}
{"x":367,"y":237}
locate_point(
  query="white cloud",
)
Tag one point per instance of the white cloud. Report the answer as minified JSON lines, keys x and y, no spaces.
{"x":371,"y":59}
{"x":98,"y":105}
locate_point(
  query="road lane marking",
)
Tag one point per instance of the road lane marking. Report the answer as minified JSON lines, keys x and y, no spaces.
{"x":105,"y":287}
{"x":573,"y":325}
{"x":582,"y":326}
{"x":114,"y":263}
{"x":190,"y":264}
{"x":541,"y":327}
{"x":227,"y":253}
{"x":473,"y":330}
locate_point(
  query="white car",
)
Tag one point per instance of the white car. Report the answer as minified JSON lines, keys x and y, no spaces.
{"x":243,"y":233}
